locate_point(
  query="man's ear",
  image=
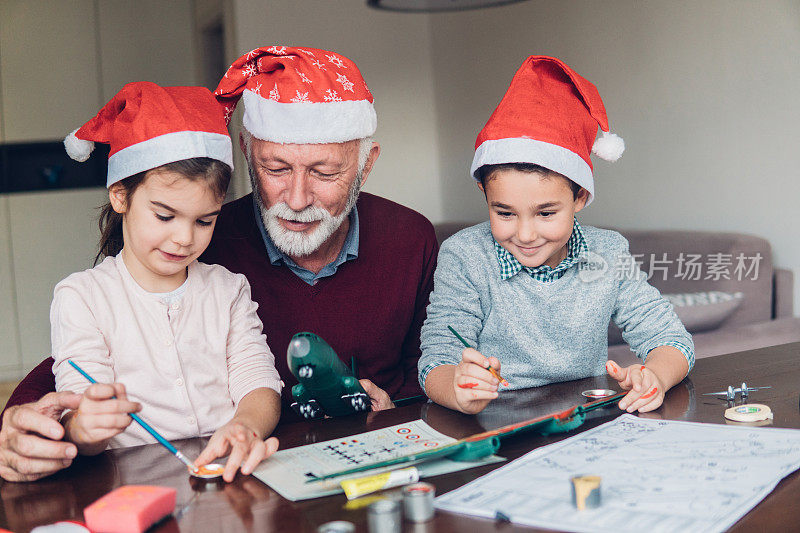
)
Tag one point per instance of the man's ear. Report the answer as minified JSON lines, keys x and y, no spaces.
{"x":374,"y":152}
{"x":118,"y":196}
{"x":242,"y":144}
{"x":580,"y":201}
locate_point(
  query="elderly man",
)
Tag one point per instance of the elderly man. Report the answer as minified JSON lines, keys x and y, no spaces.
{"x":320,"y":256}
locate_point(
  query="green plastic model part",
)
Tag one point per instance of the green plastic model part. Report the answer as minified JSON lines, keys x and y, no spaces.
{"x":326,"y":385}
{"x":476,"y":450}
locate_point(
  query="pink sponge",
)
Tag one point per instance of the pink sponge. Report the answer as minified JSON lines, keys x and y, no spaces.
{"x":130,"y":509}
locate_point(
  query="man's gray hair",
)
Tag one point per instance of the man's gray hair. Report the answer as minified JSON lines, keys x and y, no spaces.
{"x":364,"y":148}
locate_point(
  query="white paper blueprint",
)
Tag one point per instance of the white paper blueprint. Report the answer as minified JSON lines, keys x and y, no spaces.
{"x":656,"y":476}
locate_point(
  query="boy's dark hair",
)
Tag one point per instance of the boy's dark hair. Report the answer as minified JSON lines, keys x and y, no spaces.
{"x":486,"y":171}
{"x":215,"y":173}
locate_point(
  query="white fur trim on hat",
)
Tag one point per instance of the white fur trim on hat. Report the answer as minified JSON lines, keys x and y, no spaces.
{"x":78,"y":149}
{"x":551,"y":156}
{"x":168,"y":148}
{"x":609,"y":147}
{"x":308,"y":122}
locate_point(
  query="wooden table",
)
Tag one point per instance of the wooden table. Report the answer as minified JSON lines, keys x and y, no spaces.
{"x":248,"y":505}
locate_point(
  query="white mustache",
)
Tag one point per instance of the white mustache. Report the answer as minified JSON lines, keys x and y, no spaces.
{"x":309,"y":214}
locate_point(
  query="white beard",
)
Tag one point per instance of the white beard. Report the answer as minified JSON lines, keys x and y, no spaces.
{"x":298,"y":243}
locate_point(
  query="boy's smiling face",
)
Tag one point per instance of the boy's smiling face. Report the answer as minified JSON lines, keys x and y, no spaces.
{"x":531,"y":214}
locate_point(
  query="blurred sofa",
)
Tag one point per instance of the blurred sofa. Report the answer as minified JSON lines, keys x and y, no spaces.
{"x":723,"y":286}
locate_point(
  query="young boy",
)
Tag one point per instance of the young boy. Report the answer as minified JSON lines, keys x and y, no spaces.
{"x":532,"y":287}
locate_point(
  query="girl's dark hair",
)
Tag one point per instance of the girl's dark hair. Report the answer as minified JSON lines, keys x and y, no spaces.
{"x":486,"y":171}
{"x":215,"y":173}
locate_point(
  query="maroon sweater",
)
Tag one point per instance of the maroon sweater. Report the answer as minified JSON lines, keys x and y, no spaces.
{"x":371,"y":309}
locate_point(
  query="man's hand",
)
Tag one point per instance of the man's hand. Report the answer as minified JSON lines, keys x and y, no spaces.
{"x":380,"y":400}
{"x":30,"y":446}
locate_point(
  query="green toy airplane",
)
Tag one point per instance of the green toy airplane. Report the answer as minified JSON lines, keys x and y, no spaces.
{"x":326,"y":385}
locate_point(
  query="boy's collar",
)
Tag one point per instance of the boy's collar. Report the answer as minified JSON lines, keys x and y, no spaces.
{"x":577,"y":249}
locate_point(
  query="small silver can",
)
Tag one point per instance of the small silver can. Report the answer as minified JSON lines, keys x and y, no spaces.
{"x":338,"y":526}
{"x":418,"y":501}
{"x":383,"y":516}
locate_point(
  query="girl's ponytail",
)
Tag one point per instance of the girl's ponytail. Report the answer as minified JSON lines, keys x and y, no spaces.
{"x":110,"y":222}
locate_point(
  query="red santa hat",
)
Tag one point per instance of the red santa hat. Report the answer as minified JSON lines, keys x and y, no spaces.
{"x":147,"y":126}
{"x":299,"y":96}
{"x":549,"y":116}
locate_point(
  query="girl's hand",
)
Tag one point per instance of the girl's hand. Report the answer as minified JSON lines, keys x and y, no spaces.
{"x":474,"y":386}
{"x":646,"y":389}
{"x":100,"y":416}
{"x":245,"y":446}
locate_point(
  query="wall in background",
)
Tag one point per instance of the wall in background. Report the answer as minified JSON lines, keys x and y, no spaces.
{"x":394,"y":53}
{"x":704,"y":94}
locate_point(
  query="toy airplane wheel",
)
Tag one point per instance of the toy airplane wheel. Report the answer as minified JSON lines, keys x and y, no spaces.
{"x":309,"y":410}
{"x":360,"y":403}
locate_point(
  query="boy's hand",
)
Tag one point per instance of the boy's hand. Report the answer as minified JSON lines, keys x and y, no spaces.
{"x":245,"y":446}
{"x":646,"y":389}
{"x":100,"y":416}
{"x":474,"y":386}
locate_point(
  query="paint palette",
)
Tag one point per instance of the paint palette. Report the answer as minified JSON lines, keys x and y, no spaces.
{"x":209,"y":471}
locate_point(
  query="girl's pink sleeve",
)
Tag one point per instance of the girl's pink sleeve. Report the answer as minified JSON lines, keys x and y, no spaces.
{"x":251,"y":364}
{"x":75,"y":335}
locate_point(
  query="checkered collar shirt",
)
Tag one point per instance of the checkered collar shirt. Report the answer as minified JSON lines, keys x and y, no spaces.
{"x":576,"y":249}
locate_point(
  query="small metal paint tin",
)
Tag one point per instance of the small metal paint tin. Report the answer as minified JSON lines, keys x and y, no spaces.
{"x":418,"y":501}
{"x":216,"y":469}
{"x":337,"y":526}
{"x":383,"y":516}
{"x":598,"y":394}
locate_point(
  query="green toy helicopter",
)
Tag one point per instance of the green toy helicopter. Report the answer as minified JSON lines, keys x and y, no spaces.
{"x":326,"y":385}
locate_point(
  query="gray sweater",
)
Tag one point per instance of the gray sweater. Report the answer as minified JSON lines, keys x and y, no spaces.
{"x":544,"y":332}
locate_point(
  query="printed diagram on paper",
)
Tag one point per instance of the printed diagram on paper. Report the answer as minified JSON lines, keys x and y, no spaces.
{"x":288,"y":470}
{"x":656,"y":476}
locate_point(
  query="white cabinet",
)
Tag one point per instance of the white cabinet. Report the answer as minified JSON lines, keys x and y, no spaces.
{"x":9,"y":339}
{"x":48,"y":67}
{"x":53,"y":234}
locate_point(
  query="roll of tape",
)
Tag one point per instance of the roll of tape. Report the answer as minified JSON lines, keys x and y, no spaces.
{"x":749,"y":412}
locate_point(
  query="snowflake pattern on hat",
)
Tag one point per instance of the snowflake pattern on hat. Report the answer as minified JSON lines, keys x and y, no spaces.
{"x":316,"y":77}
{"x":303,"y":76}
{"x":274,"y":94}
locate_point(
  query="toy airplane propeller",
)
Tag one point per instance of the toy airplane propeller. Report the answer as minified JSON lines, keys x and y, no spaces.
{"x":730,"y":393}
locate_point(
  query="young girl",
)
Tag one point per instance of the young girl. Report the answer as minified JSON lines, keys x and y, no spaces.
{"x":181,"y":335}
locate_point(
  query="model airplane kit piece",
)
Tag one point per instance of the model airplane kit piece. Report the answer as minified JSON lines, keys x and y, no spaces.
{"x":326,"y":385}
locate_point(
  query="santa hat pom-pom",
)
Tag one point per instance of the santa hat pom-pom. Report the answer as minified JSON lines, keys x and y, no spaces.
{"x":78,"y":149}
{"x":609,"y":147}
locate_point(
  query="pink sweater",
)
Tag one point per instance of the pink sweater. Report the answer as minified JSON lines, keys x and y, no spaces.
{"x":189,"y":363}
